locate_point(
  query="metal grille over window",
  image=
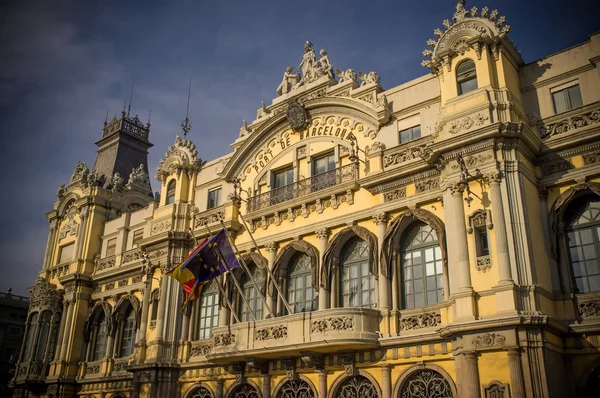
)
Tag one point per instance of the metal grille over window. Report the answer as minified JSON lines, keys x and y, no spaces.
{"x":421,"y":267}
{"x":201,"y":392}
{"x":301,"y":294}
{"x":583,"y":242}
{"x":426,"y":384}
{"x":357,"y":387}
{"x":358,"y":284}
{"x":301,"y":188}
{"x":245,"y":391}
{"x":296,"y":389}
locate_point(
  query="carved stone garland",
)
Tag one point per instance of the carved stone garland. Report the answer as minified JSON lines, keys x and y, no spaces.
{"x":426,"y":384}
{"x":295,"y":389}
{"x":356,"y":387}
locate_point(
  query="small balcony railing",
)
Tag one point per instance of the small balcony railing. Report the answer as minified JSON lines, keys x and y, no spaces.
{"x":303,"y":187}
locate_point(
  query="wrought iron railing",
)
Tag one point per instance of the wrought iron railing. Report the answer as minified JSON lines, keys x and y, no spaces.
{"x":303,"y":187}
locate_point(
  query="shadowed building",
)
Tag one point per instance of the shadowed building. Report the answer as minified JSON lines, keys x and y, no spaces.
{"x":440,"y":238}
{"x":13,"y":313}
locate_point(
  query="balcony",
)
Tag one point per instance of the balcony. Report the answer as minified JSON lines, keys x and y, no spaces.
{"x":318,"y":331}
{"x":304,"y":188}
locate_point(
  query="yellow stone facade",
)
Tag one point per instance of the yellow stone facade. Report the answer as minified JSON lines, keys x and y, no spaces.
{"x":436,"y":239}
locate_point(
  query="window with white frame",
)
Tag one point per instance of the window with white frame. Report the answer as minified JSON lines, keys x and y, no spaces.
{"x":208,"y":312}
{"x":466,"y":77}
{"x":111,"y":247}
{"x":300,"y":290}
{"x":357,"y":282}
{"x":138,"y":235}
{"x":409,"y":134}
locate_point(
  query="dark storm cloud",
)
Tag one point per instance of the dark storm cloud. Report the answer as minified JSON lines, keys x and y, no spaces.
{"x":64,"y":64}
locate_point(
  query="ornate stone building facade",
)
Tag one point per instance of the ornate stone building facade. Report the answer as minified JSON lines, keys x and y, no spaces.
{"x":437,"y":239}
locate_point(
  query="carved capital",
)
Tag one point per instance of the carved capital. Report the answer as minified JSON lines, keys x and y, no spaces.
{"x":272,"y":247}
{"x":313,"y":359}
{"x":259,"y":365}
{"x":323,"y":233}
{"x":381,"y":218}
{"x":348,"y":363}
{"x":543,"y":193}
{"x":289,"y":365}
{"x":493,"y":177}
{"x":457,"y":188}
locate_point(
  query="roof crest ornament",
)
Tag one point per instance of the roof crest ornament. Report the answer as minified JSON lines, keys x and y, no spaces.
{"x":186,"y":126}
{"x":484,"y":25}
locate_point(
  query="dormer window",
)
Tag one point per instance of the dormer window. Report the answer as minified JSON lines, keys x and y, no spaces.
{"x":466,"y":77}
{"x":171,"y":192}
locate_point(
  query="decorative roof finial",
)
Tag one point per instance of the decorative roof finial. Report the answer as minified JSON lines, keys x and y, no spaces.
{"x":106,"y":119}
{"x":186,"y":125}
{"x":130,"y":99}
{"x":149,"y":117}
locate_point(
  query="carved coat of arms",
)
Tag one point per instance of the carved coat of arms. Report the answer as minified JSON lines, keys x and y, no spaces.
{"x":296,"y":116}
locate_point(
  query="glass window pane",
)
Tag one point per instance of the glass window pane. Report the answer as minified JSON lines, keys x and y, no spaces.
{"x":467,"y":86}
{"x":574,"y":96}
{"x":404,"y":136}
{"x":419,"y":300}
{"x":594,"y":282}
{"x":586,"y":236}
{"x":560,"y":101}
{"x":416,"y":132}
{"x":592,"y":267}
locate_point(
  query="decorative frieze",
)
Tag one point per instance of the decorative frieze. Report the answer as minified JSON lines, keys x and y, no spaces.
{"x":589,"y":308}
{"x":570,"y":123}
{"x":92,"y":369}
{"x":557,"y":166}
{"x":109,"y":286}
{"x":420,"y":321}
{"x":489,"y":340}
{"x":136,"y":279}
{"x":427,"y":185}
{"x":131,"y":256}
{"x":120,"y":365}
{"x":59,"y":271}
{"x":483,"y":263}
{"x":495,"y":390}
{"x":200,"y":350}
{"x":223,"y":340}
{"x":405,"y":155}
{"x":214,"y":216}
{"x":160,"y":226}
{"x":105,"y":263}
{"x":273,"y":332}
{"x":591,"y":158}
{"x":123,"y":282}
{"x":467,"y":123}
{"x":474,"y":161}
{"x":396,"y":194}
{"x":332,"y":324}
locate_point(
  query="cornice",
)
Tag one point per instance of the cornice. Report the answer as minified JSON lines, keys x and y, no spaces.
{"x":556,"y":79}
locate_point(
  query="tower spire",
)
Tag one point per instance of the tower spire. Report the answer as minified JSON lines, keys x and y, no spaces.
{"x":130,"y":99}
{"x":186,"y":125}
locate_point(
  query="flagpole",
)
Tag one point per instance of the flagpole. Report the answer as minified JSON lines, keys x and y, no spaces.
{"x":271,"y":275}
{"x":245,"y":266}
{"x":223,"y":292}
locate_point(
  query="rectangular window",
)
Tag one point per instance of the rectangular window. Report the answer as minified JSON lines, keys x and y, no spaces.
{"x":323,"y":164}
{"x":284,"y":177}
{"x":567,"y":98}
{"x":111,"y":247}
{"x":483,"y":248}
{"x":66,"y":253}
{"x":138,"y":235}
{"x":282,"y":186}
{"x":410,"y":134}
{"x":214,"y":198}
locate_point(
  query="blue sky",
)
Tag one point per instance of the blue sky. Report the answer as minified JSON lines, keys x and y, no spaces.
{"x":66,"y":63}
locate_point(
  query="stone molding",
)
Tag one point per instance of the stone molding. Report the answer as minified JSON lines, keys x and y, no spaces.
{"x":273,"y":332}
{"x":332,"y":324}
{"x":489,"y":340}
{"x":420,"y":321}
{"x":572,"y":121}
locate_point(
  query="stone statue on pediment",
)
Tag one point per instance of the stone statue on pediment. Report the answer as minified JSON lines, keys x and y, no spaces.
{"x":290,"y":79}
{"x":308,"y":63}
{"x":81,"y":172}
{"x":324,"y":66}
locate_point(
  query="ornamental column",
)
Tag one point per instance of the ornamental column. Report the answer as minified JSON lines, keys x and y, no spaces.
{"x":25,"y":338}
{"x":61,"y":331}
{"x":324,"y":295}
{"x":141,"y":336}
{"x":516,"y":373}
{"x":499,"y":229}
{"x":161,"y":308}
{"x":322,"y":382}
{"x":381,"y":220}
{"x":456,"y":219}
{"x":50,"y":244}
{"x":554,"y":274}
{"x":67,"y":331}
{"x":470,"y":376}
{"x":266,"y":387}
{"x":272,"y":295}
{"x":81,"y":232}
{"x":219,"y":389}
{"x":224,"y":313}
{"x":386,"y":381}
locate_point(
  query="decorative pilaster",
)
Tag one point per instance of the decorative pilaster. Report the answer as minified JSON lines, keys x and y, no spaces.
{"x":470,"y":376}
{"x":162,"y":302}
{"x":386,"y":381}
{"x":501,"y":241}
{"x":516,"y":373}
{"x":67,"y":331}
{"x":219,"y":389}
{"x":224,"y":313}
{"x":50,"y":243}
{"x":141,"y":337}
{"x":83,"y":215}
{"x":324,"y":296}
{"x":266,"y":387}
{"x":25,"y":339}
{"x":273,"y":297}
{"x":555,"y":277}
{"x":381,"y":220}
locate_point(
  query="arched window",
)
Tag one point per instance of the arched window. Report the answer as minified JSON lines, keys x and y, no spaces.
{"x":582,"y":219}
{"x":127,"y":331}
{"x":357,"y":284}
{"x":425,"y":384}
{"x":171,"y":192}
{"x":300,"y":292}
{"x":43,"y":336}
{"x":421,"y":267}
{"x":100,"y":331}
{"x":466,"y":77}
{"x":245,"y":390}
{"x":208,"y":311}
{"x":296,"y":389}
{"x":252,"y":297}
{"x":356,"y":387}
{"x":155,"y":302}
{"x":33,"y":325}
{"x":200,"y":392}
